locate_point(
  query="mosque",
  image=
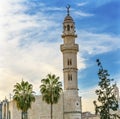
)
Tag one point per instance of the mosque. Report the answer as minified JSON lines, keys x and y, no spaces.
{"x":69,"y":105}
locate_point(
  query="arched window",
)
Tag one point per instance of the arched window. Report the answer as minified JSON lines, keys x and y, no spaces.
{"x":5,"y":110}
{"x":64,"y":27}
{"x":69,"y":62}
{"x":69,"y":77}
{"x":68,"y":27}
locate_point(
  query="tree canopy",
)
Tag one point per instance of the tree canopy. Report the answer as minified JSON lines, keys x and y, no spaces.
{"x":108,"y":103}
{"x":23,"y":95}
{"x":51,"y":89}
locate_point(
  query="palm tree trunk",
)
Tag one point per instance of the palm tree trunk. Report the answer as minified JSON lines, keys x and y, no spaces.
{"x":24,"y":115}
{"x":51,"y":110}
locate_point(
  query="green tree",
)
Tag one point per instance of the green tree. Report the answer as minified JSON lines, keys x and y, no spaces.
{"x":106,"y":98}
{"x":23,"y":96}
{"x":51,"y":89}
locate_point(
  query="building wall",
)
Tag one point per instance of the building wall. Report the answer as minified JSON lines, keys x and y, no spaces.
{"x":39,"y":110}
{"x":88,"y":115}
{"x":14,"y":113}
{"x":72,"y":105}
{"x":64,"y":109}
{"x":0,"y":110}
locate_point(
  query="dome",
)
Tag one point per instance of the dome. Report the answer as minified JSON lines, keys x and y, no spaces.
{"x":68,"y":19}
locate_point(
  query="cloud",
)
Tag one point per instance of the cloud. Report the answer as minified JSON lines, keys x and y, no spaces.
{"x":88,"y":96}
{"x":82,"y":4}
{"x":83,"y":14}
{"x":23,"y":56}
{"x":52,"y":9}
{"x":117,"y":79}
{"x":98,"y":2}
{"x":93,"y":43}
{"x":30,"y":63}
{"x":80,"y":62}
{"x":29,"y":47}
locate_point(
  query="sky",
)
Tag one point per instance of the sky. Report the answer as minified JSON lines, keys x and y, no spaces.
{"x":30,"y":38}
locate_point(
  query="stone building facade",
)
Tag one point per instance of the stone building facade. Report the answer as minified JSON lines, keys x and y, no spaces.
{"x":69,"y":105}
{"x":88,"y":115}
{"x":0,"y":110}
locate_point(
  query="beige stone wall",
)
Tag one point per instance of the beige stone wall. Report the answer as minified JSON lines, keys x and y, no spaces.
{"x":39,"y":110}
{"x":14,"y":112}
{"x":68,"y":107}
{"x":72,"y":105}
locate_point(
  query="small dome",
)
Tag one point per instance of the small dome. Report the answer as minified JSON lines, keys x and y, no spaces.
{"x":68,"y":19}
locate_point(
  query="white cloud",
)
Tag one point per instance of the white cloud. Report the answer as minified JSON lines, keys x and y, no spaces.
{"x":81,"y":62}
{"x":53,"y":9}
{"x":82,"y":4}
{"x":25,"y":48}
{"x":21,"y":55}
{"x":117,"y":79}
{"x":83,"y":14}
{"x":93,"y":43}
{"x":88,"y":96}
{"x":32,"y":61}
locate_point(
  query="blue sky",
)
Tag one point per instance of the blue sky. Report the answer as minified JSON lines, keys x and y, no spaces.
{"x":30,"y":38}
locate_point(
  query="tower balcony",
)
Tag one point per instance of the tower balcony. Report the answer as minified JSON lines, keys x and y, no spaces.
{"x":70,"y":69}
{"x":67,"y":48}
{"x":68,"y":34}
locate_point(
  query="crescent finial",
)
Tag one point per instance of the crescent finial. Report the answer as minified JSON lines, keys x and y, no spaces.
{"x":68,"y":11}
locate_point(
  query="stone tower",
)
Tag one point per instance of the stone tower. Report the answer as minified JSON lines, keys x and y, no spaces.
{"x":72,"y":102}
{"x":116,"y":93}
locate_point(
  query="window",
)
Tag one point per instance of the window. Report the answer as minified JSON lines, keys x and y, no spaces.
{"x":64,"y":27}
{"x":68,"y":27}
{"x":69,"y":77}
{"x":69,"y":62}
{"x":5,"y":110}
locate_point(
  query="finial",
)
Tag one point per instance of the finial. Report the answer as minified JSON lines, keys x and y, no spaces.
{"x":68,"y":11}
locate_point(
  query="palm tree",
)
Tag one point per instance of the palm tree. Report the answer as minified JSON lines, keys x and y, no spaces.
{"x":51,"y":89}
{"x":24,"y":96}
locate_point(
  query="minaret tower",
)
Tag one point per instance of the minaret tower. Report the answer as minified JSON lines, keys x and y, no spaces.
{"x":72,"y":102}
{"x":69,"y":50}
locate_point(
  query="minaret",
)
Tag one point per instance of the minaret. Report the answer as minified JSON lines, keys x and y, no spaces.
{"x":72,"y":102}
{"x":69,"y":50}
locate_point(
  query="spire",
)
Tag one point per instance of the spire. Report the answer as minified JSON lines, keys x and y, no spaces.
{"x":68,"y":11}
